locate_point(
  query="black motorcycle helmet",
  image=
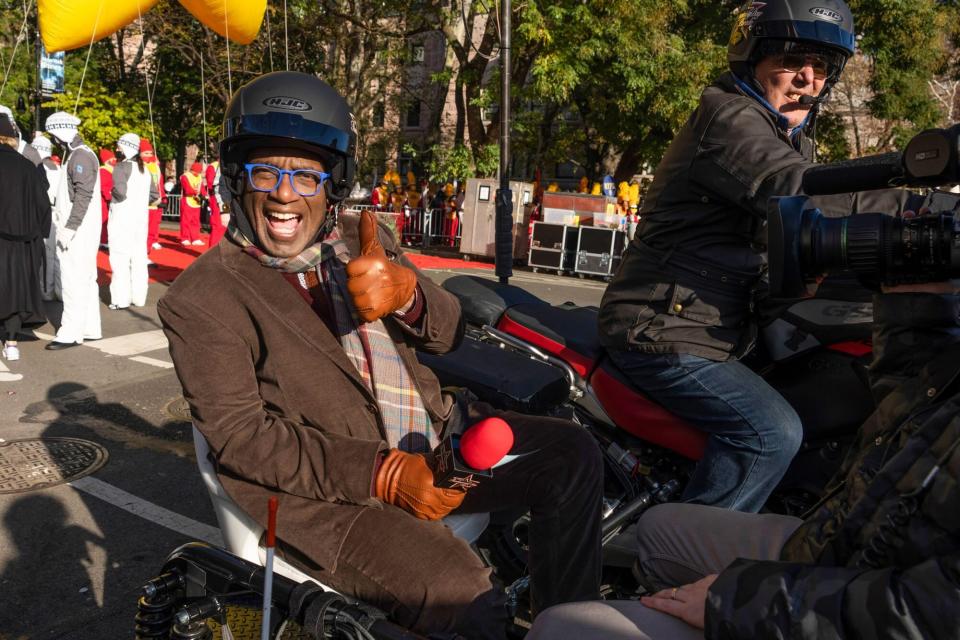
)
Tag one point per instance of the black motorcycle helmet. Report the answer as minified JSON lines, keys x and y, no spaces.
{"x":289,"y":107}
{"x":765,"y":28}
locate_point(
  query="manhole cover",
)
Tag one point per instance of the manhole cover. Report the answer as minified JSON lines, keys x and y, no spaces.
{"x":178,"y":409}
{"x":36,"y":463}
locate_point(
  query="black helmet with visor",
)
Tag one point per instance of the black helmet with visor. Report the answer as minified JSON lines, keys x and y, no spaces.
{"x":798,"y":30}
{"x":295,"y":109}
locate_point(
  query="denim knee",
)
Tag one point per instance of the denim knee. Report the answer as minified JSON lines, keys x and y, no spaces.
{"x":784,"y":440}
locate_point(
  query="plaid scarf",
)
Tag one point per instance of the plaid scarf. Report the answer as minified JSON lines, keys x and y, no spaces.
{"x":368,"y":345}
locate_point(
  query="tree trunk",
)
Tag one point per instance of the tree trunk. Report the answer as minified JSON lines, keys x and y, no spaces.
{"x":629,"y":162}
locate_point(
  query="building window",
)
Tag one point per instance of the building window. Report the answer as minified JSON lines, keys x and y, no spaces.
{"x":413,"y":115}
{"x":379,"y":114}
{"x":416,"y":53}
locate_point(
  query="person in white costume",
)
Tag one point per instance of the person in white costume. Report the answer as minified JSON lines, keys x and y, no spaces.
{"x":133,"y":190}
{"x":50,"y":289}
{"x":77,"y":217}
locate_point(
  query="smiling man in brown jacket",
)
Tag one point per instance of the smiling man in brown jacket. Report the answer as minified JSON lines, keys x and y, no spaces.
{"x":295,"y":344}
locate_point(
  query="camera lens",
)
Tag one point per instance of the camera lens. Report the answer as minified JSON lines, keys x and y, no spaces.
{"x":881,"y":249}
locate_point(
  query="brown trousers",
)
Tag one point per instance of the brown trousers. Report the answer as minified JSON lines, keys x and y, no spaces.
{"x":429,"y":580}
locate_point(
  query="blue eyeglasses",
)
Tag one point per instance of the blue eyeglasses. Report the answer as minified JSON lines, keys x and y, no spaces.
{"x":266,"y":177}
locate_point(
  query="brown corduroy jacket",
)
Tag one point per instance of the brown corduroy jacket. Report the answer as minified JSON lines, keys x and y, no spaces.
{"x":283,"y":409}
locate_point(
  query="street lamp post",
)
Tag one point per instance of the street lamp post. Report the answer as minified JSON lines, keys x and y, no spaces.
{"x":38,"y":84}
{"x":503,"y":237}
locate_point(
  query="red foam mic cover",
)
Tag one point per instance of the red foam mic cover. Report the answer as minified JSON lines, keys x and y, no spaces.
{"x":485,"y":443}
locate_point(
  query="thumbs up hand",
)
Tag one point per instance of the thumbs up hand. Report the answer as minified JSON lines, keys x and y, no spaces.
{"x":378,"y":286}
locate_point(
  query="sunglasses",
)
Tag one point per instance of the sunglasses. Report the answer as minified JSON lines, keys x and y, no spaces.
{"x":822,"y":66}
{"x":266,"y":177}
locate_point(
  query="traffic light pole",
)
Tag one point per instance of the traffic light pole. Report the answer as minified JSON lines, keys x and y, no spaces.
{"x":504,"y":210}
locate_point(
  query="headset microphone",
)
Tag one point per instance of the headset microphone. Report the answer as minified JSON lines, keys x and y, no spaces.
{"x":807,"y":100}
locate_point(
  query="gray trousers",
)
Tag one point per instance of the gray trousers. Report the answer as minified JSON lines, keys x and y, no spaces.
{"x":678,"y":544}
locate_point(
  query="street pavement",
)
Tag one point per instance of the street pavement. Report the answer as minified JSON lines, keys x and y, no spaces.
{"x":73,"y":556}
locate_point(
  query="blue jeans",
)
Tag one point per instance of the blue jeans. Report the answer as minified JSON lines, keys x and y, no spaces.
{"x":753,"y":431}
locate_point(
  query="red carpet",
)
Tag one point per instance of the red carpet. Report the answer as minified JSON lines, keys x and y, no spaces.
{"x":173,"y":258}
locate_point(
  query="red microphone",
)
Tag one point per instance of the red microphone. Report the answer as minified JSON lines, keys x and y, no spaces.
{"x":462,"y":461}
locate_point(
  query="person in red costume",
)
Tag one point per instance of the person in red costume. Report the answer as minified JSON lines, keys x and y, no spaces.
{"x":107,"y":162}
{"x":192,"y":188}
{"x":218,"y":219}
{"x":152,"y":163}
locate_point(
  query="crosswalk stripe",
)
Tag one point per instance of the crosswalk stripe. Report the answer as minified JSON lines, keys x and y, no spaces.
{"x":148,"y":511}
{"x":131,"y":344}
{"x":6,"y":376}
{"x":163,"y":364}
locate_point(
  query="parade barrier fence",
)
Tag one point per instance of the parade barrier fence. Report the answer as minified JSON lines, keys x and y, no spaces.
{"x":421,"y":228}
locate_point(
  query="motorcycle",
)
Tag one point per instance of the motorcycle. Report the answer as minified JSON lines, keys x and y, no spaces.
{"x":204,"y":592}
{"x":522,"y":353}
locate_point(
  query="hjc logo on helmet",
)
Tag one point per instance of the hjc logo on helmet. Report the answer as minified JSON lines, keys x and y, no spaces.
{"x":826,"y":14}
{"x":287,"y":103}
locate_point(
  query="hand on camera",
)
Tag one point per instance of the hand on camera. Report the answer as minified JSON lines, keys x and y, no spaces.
{"x":405,"y":480}
{"x":377,"y":285}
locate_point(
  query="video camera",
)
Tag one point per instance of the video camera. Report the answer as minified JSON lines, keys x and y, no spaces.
{"x":878,"y":248}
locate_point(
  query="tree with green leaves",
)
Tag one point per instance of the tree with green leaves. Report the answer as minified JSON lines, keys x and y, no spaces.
{"x":886,"y":96}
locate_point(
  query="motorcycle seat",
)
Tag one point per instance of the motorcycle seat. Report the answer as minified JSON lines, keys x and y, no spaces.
{"x":504,"y":378}
{"x":484,"y":301}
{"x":566,"y":331}
{"x":637,"y":414}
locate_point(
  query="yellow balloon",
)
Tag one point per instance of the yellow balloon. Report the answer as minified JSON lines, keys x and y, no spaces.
{"x":238,"y":20}
{"x":70,"y":24}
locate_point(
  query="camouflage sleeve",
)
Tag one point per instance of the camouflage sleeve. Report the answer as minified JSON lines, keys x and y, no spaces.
{"x":755,"y":599}
{"x":83,"y":170}
{"x":909,"y":330}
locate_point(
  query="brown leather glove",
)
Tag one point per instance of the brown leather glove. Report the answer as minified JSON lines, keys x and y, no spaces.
{"x":406,"y":481}
{"x":378,"y":286}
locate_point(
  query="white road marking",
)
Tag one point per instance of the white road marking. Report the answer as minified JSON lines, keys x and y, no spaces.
{"x":163,"y":364}
{"x":6,"y":376}
{"x":148,"y":511}
{"x":131,"y":344}
{"x":523,"y":276}
{"x":127,"y":345}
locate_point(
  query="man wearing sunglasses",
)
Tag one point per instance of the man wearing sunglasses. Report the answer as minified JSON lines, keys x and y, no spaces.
{"x":680,"y":313}
{"x":294,"y":341}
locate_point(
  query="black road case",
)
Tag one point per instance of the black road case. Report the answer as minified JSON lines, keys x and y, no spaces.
{"x":599,"y":251}
{"x":552,"y":246}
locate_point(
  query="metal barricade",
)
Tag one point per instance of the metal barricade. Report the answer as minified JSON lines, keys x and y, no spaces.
{"x":442,"y":228}
{"x":418,"y":227}
{"x":412,"y":227}
{"x":172,"y":210}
